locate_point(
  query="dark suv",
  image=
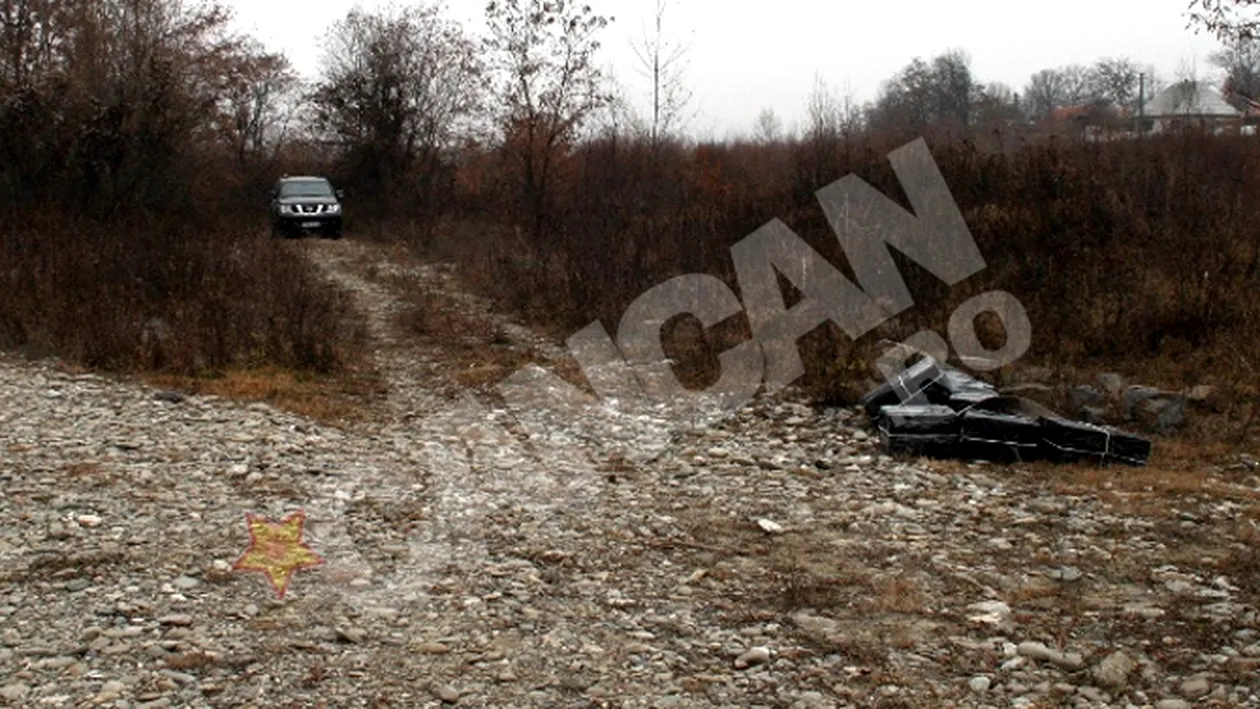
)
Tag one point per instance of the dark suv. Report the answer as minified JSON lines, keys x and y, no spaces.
{"x":305,"y":204}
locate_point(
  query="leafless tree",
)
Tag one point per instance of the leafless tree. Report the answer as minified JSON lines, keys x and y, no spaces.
{"x":822,"y":113}
{"x":1240,"y":61}
{"x":995,"y":106}
{"x":395,"y":92}
{"x":953,"y":86}
{"x":257,"y":104}
{"x":663,"y":62}
{"x":1115,"y":79}
{"x":769,"y":128}
{"x":1048,"y":90}
{"x":547,"y":84}
{"x":1229,"y":20}
{"x":1078,"y":85}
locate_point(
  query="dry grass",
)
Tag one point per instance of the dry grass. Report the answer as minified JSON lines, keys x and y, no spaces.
{"x":333,"y":398}
{"x":155,"y":295}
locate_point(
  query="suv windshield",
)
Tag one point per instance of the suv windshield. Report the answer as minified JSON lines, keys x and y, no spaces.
{"x":306,"y":188}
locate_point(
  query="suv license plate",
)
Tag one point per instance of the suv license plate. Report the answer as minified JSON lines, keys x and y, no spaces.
{"x":310,"y":225}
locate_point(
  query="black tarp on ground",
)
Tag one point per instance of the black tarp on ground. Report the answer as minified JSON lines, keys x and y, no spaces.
{"x":933,"y":409}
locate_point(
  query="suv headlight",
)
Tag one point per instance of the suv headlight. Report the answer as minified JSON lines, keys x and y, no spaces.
{"x":334,"y":209}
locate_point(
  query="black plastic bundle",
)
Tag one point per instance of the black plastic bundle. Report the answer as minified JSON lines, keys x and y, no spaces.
{"x":922,"y":429}
{"x":958,"y":391}
{"x":933,"y":409}
{"x":1068,"y":441}
{"x":995,"y":435}
{"x":911,"y":387}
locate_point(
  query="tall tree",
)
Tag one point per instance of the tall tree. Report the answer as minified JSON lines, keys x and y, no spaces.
{"x":1051,"y":89}
{"x":396,"y":88}
{"x":547,"y":84}
{"x":995,"y":106}
{"x":768,"y":129}
{"x":953,"y":86}
{"x":1115,"y":79}
{"x":1078,"y":85}
{"x":257,"y":104}
{"x":922,"y":94}
{"x":663,"y":61}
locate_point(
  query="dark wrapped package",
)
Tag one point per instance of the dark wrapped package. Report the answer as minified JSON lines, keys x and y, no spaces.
{"x":958,"y":390}
{"x":919,"y":418}
{"x":933,"y":409}
{"x":922,"y":429}
{"x":993,"y":435}
{"x":1067,"y":440}
{"x":930,"y":382}
{"x":906,"y":388}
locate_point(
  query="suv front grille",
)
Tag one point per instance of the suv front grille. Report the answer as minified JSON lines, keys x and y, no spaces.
{"x":310,"y":208}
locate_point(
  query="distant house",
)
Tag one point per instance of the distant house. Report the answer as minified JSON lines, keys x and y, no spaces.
{"x":1190,"y":104}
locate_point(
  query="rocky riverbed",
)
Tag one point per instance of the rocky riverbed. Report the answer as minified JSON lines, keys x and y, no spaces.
{"x":772,"y":558}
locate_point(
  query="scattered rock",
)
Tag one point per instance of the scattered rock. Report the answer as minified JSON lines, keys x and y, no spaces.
{"x":1195,"y":687}
{"x":770,"y":526}
{"x":498,"y":564}
{"x":1039,"y":651}
{"x":350,"y":634}
{"x":1067,"y":574}
{"x":75,"y":585}
{"x":447,"y":693}
{"x":186,"y":583}
{"x":1135,"y":394}
{"x":992,"y":613}
{"x":753,"y":656}
{"x":1113,"y":671}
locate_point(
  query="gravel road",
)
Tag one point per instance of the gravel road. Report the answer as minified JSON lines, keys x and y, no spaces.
{"x":483,"y":557}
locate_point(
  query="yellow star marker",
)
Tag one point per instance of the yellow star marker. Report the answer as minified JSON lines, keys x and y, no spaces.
{"x":277,"y":550}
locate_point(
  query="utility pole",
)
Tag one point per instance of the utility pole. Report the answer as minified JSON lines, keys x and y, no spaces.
{"x":1141,"y":112}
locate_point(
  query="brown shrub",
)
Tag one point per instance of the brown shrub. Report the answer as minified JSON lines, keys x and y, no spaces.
{"x":1124,"y":253}
{"x":165,"y":295}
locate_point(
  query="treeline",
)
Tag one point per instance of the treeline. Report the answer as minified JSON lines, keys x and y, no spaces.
{"x":139,"y":137}
{"x":1123,"y":252}
{"x":117,"y":107}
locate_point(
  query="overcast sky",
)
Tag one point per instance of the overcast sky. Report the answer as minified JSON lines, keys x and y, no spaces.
{"x":745,"y":56}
